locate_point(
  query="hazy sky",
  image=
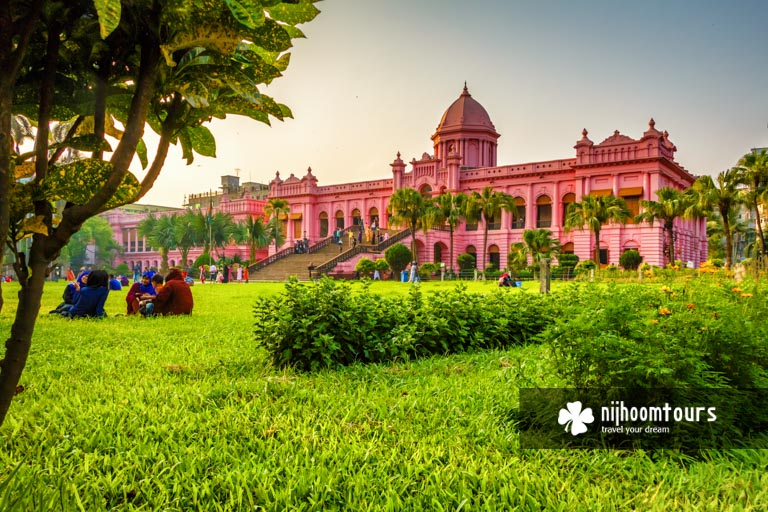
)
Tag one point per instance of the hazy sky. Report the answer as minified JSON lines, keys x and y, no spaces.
{"x":374,"y":78}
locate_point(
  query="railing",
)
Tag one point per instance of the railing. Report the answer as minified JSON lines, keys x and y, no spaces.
{"x":292,"y":250}
{"x":348,"y":254}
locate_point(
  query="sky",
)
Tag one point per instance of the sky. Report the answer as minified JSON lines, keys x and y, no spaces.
{"x":373,"y":78}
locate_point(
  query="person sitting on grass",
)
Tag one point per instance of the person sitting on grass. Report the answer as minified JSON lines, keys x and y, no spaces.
{"x":175,"y":297}
{"x":71,"y":293}
{"x":139,"y":289}
{"x":92,"y":297}
{"x":114,"y":283}
{"x":146,"y":301}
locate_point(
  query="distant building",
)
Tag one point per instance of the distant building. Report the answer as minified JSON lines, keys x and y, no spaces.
{"x":463,"y":159}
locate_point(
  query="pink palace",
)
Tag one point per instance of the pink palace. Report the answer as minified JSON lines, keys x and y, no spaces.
{"x":463,"y":158}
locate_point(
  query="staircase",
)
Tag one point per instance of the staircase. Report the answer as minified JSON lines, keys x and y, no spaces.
{"x":323,"y":258}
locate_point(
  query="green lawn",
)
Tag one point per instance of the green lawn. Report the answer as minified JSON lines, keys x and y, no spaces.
{"x":188,"y":414}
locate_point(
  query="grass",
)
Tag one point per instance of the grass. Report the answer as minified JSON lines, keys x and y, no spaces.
{"x":187,"y":414}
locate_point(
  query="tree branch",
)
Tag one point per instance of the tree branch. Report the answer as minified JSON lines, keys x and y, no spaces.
{"x":169,"y":128}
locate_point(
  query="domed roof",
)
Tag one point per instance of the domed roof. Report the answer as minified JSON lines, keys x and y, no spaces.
{"x":465,"y":112}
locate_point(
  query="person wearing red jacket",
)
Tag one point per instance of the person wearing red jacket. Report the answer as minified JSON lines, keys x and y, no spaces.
{"x":175,"y":297}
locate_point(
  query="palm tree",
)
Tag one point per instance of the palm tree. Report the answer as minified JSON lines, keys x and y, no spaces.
{"x":672,"y":204}
{"x":274,"y":209}
{"x":186,"y":234}
{"x":408,"y":208}
{"x":160,"y":232}
{"x":543,"y":248}
{"x":255,"y":233}
{"x":723,"y":197}
{"x":753,"y":172}
{"x":487,"y":205}
{"x":517,"y":259}
{"x":448,"y":209}
{"x":594,"y":211}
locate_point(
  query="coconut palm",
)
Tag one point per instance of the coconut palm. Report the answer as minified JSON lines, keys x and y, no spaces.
{"x":543,"y":248}
{"x":487,"y":205}
{"x":186,"y":235}
{"x":408,"y":208}
{"x":448,"y":209}
{"x":274,"y":209}
{"x":517,"y":259}
{"x":594,"y":211}
{"x":722,"y":195}
{"x":672,"y":204}
{"x":254,"y":232}
{"x":753,"y":172}
{"x":160,"y":232}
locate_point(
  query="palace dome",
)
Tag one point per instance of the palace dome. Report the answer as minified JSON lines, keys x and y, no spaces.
{"x":465,"y":112}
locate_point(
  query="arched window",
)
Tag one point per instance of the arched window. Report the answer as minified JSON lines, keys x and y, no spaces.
{"x":543,"y":212}
{"x":426,"y":191}
{"x":173,"y":263}
{"x":473,"y":252}
{"x":568,"y":200}
{"x":518,"y":220}
{"x":340,"y":219}
{"x":567,"y":248}
{"x":323,"y":224}
{"x":355,"y":217}
{"x":439,"y":247}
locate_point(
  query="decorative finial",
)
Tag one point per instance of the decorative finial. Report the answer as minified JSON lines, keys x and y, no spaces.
{"x":277,"y":174}
{"x":584,"y":133}
{"x":309,"y":170}
{"x":398,"y":155}
{"x":651,"y":123}
{"x":615,"y":133}
{"x":465,"y":92}
{"x":666,"y":134}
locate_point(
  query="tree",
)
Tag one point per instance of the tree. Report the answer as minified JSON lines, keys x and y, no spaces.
{"x":185,"y":234}
{"x":274,"y":209}
{"x":408,"y":209}
{"x":160,"y":233}
{"x":448,"y":209}
{"x":171,"y":65}
{"x":672,"y":204}
{"x":255,"y":233}
{"x":723,"y":197}
{"x":517,"y":259}
{"x":594,"y":211}
{"x":630,"y":260}
{"x":95,"y":235}
{"x":398,"y":257}
{"x":753,"y":172}
{"x":487,"y":205}
{"x":543,"y":248}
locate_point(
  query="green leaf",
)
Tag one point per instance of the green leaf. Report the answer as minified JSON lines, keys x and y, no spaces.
{"x":141,"y":151}
{"x":77,"y":182}
{"x":89,"y":142}
{"x":293,"y":14}
{"x":202,"y":141}
{"x":109,"y":15}
{"x":271,"y":36}
{"x":246,"y":13}
{"x":186,"y":145}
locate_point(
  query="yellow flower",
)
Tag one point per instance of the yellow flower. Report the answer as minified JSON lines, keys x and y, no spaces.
{"x":747,"y":295}
{"x":665,"y":311}
{"x":736,"y":290}
{"x":666,"y":289}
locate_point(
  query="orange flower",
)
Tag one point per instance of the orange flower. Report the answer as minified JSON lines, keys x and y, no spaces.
{"x":736,"y":290}
{"x":665,"y":311}
{"x":655,"y":322}
{"x":691,"y":306}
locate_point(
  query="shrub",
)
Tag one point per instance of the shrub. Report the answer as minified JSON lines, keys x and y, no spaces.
{"x":365,"y":267}
{"x":122,"y":269}
{"x":567,"y":260}
{"x":381,"y":265}
{"x":466,"y":261}
{"x":323,"y":324}
{"x":398,"y":257}
{"x":583,"y":267}
{"x":630,"y":260}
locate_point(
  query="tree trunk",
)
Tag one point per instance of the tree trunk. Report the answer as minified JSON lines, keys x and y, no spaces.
{"x":485,"y":246}
{"x":759,"y":226}
{"x":451,"y":265}
{"x":544,"y":276}
{"x":671,"y":254}
{"x":18,"y":345}
{"x":597,"y":249}
{"x":728,"y":242}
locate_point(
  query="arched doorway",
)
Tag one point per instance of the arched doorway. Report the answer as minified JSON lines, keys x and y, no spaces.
{"x":494,"y":258}
{"x":440,"y":252}
{"x":339,"y":219}
{"x":472,"y":252}
{"x":323,"y":224}
{"x":373,"y":216}
{"x":355,"y":217}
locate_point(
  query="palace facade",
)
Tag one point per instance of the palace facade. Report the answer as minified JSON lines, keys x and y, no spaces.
{"x":463,"y":159}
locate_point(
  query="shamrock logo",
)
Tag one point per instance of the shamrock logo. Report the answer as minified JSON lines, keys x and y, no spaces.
{"x":575,"y":417}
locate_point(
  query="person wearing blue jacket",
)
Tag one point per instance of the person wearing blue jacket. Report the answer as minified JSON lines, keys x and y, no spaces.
{"x":92,"y":297}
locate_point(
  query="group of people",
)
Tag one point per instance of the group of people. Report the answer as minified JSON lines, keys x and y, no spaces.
{"x":301,"y":246}
{"x":153,"y":295}
{"x":227,"y":274}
